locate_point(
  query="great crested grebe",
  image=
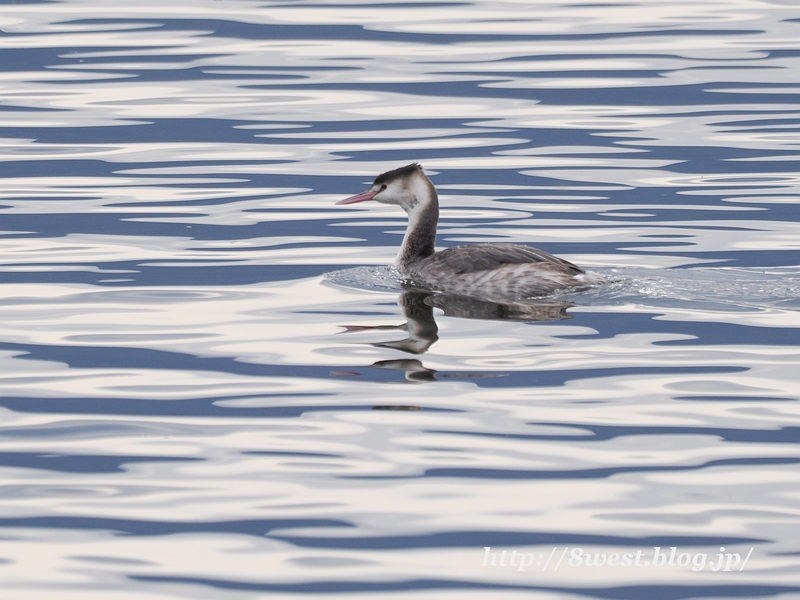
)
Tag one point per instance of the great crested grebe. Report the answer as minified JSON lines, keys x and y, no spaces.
{"x":487,"y":271}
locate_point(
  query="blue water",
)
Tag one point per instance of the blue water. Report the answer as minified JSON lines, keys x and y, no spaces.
{"x":213,"y":387}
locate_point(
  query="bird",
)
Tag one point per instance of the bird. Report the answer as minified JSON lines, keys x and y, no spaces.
{"x":484,"y":271}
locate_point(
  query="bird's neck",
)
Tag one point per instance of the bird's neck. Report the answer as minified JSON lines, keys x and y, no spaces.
{"x":420,"y":239}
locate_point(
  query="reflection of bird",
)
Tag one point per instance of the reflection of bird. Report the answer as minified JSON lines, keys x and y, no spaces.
{"x":486,"y":271}
{"x":421,"y":325}
{"x":423,"y":331}
{"x":537,"y":310}
{"x":414,"y":370}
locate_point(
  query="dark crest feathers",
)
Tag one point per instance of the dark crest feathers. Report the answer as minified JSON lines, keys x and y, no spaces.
{"x":397,"y":173}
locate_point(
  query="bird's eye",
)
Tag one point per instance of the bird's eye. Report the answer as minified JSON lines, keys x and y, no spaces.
{"x":383,"y":187}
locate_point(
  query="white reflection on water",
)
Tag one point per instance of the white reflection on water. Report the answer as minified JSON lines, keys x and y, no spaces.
{"x":202,"y":397}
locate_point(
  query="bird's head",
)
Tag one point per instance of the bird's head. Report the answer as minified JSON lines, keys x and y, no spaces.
{"x":406,"y":187}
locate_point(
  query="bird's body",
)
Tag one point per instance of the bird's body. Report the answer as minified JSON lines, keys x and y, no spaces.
{"x":485,"y":271}
{"x":495,"y":271}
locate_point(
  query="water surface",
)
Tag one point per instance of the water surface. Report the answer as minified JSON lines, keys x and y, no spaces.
{"x":212,"y":387}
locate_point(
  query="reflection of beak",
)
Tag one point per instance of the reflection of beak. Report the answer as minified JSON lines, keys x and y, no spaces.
{"x":356,"y":328}
{"x":362,"y":197}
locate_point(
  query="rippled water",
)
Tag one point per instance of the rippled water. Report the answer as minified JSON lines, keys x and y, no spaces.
{"x":212,"y":387}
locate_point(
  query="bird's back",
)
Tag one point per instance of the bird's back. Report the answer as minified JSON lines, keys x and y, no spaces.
{"x":496,"y":271}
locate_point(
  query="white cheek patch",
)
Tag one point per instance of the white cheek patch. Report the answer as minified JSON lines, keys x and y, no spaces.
{"x":419,"y":188}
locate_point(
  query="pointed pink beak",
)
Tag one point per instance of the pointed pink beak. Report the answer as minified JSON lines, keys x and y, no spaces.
{"x":362,"y":197}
